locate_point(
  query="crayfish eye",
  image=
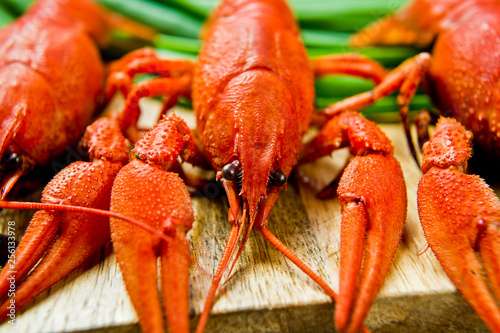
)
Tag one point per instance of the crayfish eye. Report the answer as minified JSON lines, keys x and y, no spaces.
{"x":277,"y":178}
{"x":231,"y":170}
{"x":13,"y":160}
{"x":10,"y":161}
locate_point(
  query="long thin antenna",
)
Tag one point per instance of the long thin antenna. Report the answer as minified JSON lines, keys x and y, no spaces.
{"x":69,"y":208}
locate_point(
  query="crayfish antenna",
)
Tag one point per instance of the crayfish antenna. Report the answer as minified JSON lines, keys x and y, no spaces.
{"x":247,"y":228}
{"x":226,"y":258}
{"x":68,"y":251}
{"x":88,"y":210}
{"x":302,"y":266}
{"x":271,"y":238}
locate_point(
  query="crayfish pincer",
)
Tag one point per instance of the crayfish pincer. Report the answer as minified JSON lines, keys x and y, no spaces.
{"x":57,"y":242}
{"x":74,"y":220}
{"x":252,"y":89}
{"x":460,"y":215}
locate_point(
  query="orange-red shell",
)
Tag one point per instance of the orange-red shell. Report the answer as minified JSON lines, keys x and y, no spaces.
{"x":51,"y":75}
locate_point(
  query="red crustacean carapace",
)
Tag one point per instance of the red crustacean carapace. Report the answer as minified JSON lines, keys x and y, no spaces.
{"x":51,"y":78}
{"x":43,"y":108}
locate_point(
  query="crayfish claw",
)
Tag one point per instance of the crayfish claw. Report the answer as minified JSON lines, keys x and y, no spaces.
{"x":488,"y":244}
{"x":370,"y":232}
{"x":459,"y":214}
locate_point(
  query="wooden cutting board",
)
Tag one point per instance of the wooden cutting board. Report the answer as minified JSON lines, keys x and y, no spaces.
{"x":266,"y":293}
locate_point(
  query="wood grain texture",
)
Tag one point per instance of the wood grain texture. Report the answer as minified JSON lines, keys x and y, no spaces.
{"x":266,"y":293}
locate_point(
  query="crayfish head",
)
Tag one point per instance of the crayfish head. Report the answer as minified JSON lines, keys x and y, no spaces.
{"x":258,"y":142}
{"x":251,"y":194}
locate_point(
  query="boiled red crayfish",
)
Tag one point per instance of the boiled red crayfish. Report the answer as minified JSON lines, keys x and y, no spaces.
{"x":51,"y":77}
{"x":252,"y":92}
{"x":463,"y":73}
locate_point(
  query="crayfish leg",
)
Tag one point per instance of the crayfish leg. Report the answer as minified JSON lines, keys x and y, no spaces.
{"x":406,"y":77}
{"x":174,"y":80}
{"x":350,"y":64}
